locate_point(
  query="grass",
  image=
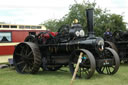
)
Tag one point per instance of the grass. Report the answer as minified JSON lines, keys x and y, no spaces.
{"x":9,"y":76}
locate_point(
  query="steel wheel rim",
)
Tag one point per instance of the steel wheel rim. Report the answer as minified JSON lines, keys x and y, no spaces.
{"x":86,"y":67}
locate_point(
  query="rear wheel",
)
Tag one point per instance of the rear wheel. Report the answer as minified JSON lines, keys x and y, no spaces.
{"x":87,"y":65}
{"x":27,"y":58}
{"x":109,"y":69}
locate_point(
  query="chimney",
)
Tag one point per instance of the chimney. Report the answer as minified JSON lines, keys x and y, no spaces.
{"x":89,"y":14}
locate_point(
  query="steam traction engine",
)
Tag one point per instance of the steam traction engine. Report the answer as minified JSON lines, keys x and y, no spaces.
{"x":119,"y":42}
{"x":52,"y":50}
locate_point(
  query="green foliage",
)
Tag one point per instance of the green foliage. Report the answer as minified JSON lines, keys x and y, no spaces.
{"x":51,"y":24}
{"x":77,"y":11}
{"x":102,"y":19}
{"x":2,"y":22}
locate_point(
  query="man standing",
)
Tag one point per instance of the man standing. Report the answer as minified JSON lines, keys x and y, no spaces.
{"x":107,"y":34}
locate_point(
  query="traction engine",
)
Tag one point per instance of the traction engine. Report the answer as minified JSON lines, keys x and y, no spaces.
{"x":53,"y":50}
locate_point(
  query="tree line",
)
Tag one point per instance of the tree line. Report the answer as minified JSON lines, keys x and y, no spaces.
{"x":103,"y":19}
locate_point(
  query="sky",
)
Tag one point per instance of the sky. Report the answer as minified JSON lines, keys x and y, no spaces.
{"x":34,"y":12}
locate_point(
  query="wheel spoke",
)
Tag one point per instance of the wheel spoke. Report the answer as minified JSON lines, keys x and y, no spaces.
{"x":27,"y":50}
{"x":24,"y":68}
{"x":21,"y":62}
{"x":18,"y":54}
{"x":102,"y":69}
{"x":29,"y":68}
{"x":87,"y":72}
{"x":109,"y":70}
{"x":113,"y":67}
{"x":106,"y":70}
{"x":22,"y":51}
{"x":29,"y":53}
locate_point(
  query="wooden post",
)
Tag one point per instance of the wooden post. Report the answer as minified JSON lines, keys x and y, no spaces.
{"x":77,"y":67}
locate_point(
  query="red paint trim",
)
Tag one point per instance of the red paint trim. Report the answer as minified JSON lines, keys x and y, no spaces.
{"x":6,"y":50}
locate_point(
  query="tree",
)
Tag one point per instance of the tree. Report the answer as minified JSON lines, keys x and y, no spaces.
{"x":102,"y":19}
{"x":51,"y":24}
{"x":2,"y":23}
{"x":105,"y":20}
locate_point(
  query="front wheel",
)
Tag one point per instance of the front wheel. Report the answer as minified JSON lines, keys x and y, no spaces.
{"x":111,"y":67}
{"x":87,"y":65}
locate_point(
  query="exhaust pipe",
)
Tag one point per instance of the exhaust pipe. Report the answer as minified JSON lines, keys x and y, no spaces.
{"x":89,"y":14}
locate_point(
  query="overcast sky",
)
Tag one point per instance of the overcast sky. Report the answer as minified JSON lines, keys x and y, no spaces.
{"x":37,"y":11}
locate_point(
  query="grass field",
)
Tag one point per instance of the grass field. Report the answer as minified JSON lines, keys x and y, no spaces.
{"x":9,"y":76}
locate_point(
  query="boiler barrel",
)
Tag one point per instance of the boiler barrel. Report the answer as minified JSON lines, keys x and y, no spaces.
{"x":67,"y":48}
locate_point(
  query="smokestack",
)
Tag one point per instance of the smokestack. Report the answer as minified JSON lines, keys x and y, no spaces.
{"x":89,"y":14}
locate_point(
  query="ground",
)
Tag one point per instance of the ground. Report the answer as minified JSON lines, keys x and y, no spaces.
{"x":9,"y":76}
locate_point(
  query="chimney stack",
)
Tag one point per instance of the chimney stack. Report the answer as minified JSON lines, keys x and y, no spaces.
{"x":89,"y":14}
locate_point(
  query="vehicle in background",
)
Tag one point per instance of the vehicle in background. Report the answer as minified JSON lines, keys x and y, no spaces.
{"x":11,"y":35}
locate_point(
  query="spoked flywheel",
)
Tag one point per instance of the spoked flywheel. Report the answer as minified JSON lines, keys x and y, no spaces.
{"x":27,"y":58}
{"x":87,"y":64}
{"x":111,"y":62}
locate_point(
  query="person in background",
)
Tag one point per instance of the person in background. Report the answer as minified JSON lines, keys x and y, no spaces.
{"x":107,"y":35}
{"x":4,"y":39}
